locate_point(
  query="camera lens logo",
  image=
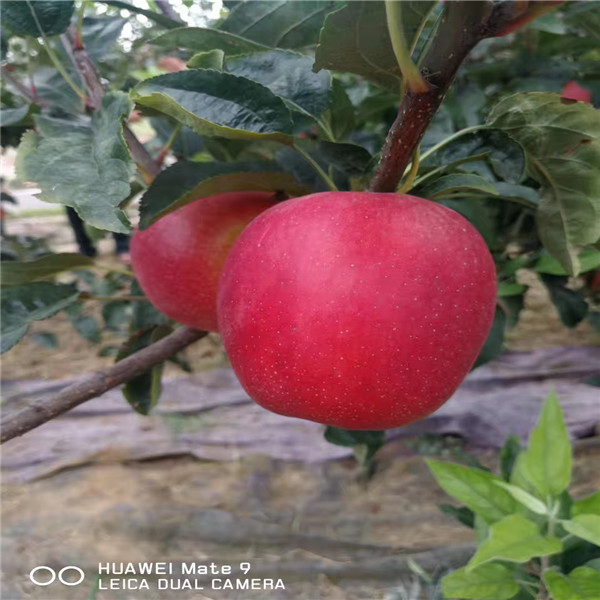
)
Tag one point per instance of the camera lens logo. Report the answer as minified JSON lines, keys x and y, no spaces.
{"x":44,"y":575}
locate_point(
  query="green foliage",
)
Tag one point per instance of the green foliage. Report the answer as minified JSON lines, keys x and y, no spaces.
{"x":200,"y":39}
{"x":504,"y":154}
{"x":489,"y":582}
{"x":571,"y":305}
{"x":289,"y":75}
{"x":588,"y":261}
{"x":368,"y":52}
{"x":186,"y":181}
{"x":589,"y":505}
{"x":564,"y":160}
{"x":543,"y":532}
{"x":514,"y":539}
{"x":36,"y":17}
{"x":278,"y":23}
{"x":26,"y":303}
{"x":85,"y":166}
{"x":214,"y":103}
{"x":495,"y":340}
{"x":544,"y":468}
{"x":143,"y":392}
{"x":475,"y":488}
{"x":582,"y":583}
{"x":450,"y":186}
{"x":22,"y":272}
{"x":365,"y":443}
{"x":211,"y":59}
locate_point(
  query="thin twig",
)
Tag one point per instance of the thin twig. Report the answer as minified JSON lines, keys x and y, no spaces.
{"x":40,"y":412}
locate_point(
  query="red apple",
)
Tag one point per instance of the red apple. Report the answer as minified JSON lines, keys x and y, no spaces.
{"x":353,"y":309}
{"x":573,"y":91}
{"x":178,"y":259}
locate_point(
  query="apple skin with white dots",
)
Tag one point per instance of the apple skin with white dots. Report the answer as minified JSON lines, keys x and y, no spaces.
{"x":354,"y":309}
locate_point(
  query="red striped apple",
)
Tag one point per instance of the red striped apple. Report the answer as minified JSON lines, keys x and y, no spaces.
{"x":178,"y":259}
{"x":359,"y":310}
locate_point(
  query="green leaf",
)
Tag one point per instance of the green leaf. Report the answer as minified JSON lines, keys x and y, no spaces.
{"x":3,"y":44}
{"x":200,"y":39}
{"x":571,"y":304}
{"x":588,"y":261}
{"x":475,"y":488}
{"x":116,"y":315}
{"x":506,"y":290}
{"x":45,"y":340}
{"x":143,"y":392}
{"x":455,"y":185}
{"x":515,"y":539}
{"x":212,"y":59}
{"x":544,"y":469}
{"x":187,"y":181}
{"x":589,"y":505}
{"x":495,"y":340}
{"x":100,"y":34}
{"x":213,"y":103}
{"x":584,"y":526}
{"x":593,"y":564}
{"x":36,"y":17}
{"x":34,"y":302}
{"x":561,"y":139}
{"x":288,"y":75}
{"x":489,"y":582}
{"x":158,"y":18}
{"x":85,"y":325}
{"x":356,"y":39}
{"x":367,"y":52}
{"x":522,"y":194}
{"x":341,"y":115}
{"x":350,"y":159}
{"x":524,"y":498}
{"x":85,"y":167}
{"x":582,"y":583}
{"x":144,"y":315}
{"x":365,"y":443}
{"x":21,"y":272}
{"x":462,"y":514}
{"x":278,"y":23}
{"x":505,"y":155}
{"x":349,"y":438}
{"x":508,"y":455}
{"x":11,"y":116}
{"x":576,"y":553}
